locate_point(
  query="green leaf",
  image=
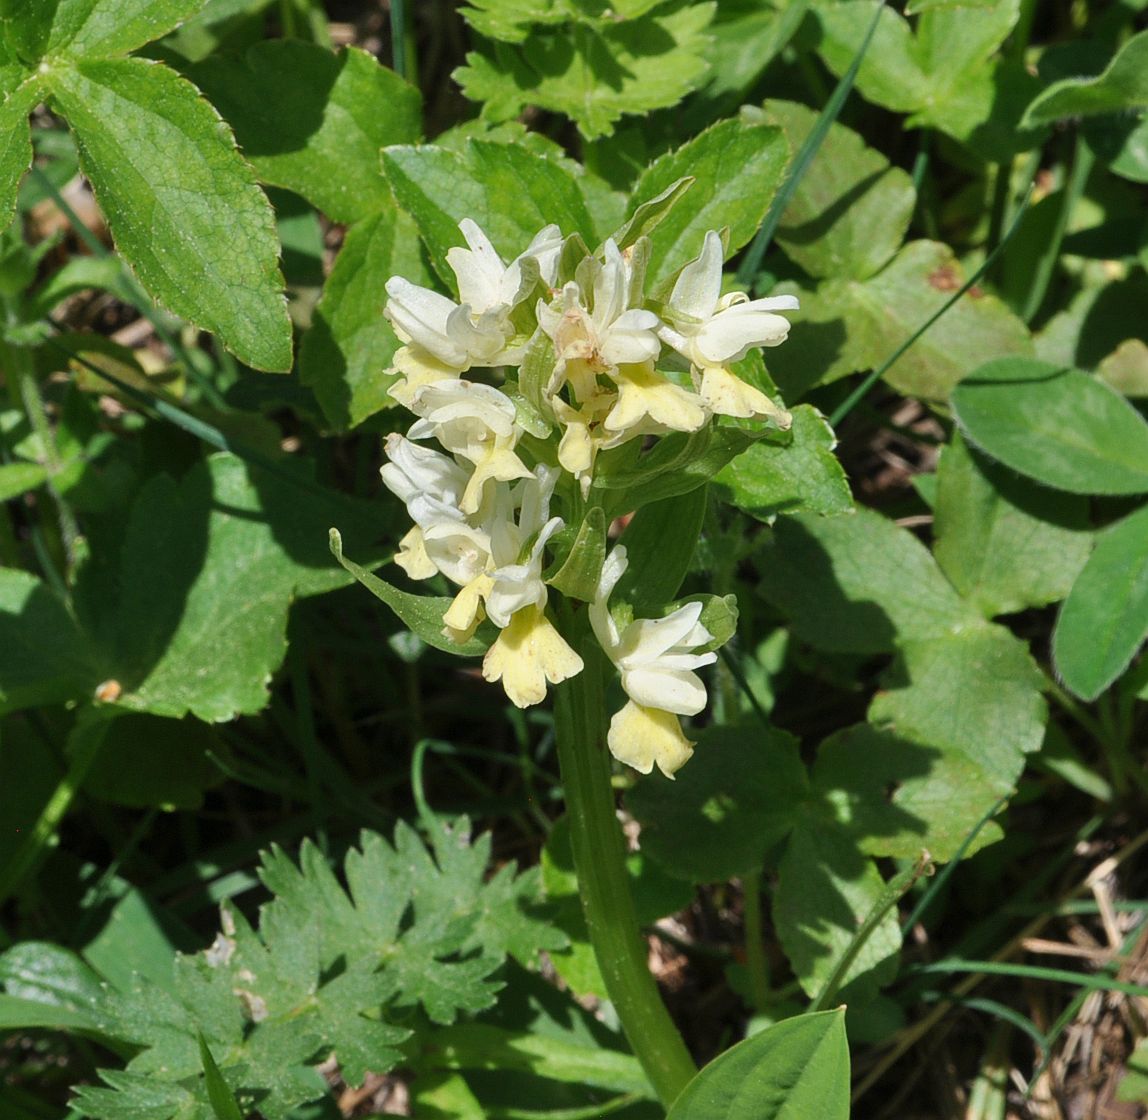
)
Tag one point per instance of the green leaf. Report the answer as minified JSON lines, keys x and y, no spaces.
{"x":189,"y":597}
{"x":594,"y":75}
{"x":345,"y":354}
{"x":134,"y":772}
{"x":53,"y":976}
{"x":19,"y":478}
{"x":858,"y":583}
{"x":825,"y":889}
{"x":44,"y":656}
{"x":744,"y":790}
{"x":91,"y":28}
{"x":849,"y":213}
{"x":299,"y":112}
{"x":15,"y":146}
{"x":744,"y":38}
{"x":1104,"y":620}
{"x":218,"y":1093}
{"x":882,"y":312}
{"x":1122,"y":142}
{"x":795,"y":1070}
{"x":660,"y":540}
{"x":182,"y":205}
{"x":895,"y":796}
{"x":1060,"y":427}
{"x":439,"y":188}
{"x":737,"y":169}
{"x":1004,"y":543}
{"x":1122,"y":86}
{"x":804,"y":477}
{"x":578,"y":577}
{"x":944,"y":73}
{"x":421,"y":614}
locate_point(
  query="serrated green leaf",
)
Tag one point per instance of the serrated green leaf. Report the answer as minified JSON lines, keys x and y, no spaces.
{"x":439,"y":188}
{"x":1123,"y":86}
{"x":944,"y":72}
{"x":299,"y":111}
{"x":744,"y":790}
{"x":1104,"y":620}
{"x":737,"y":168}
{"x":15,"y":146}
{"x":794,"y":1070}
{"x":859,"y":583}
{"x":593,"y":74}
{"x":1060,"y":427}
{"x":91,"y":28}
{"x":1004,"y":543}
{"x":347,"y":351}
{"x":181,"y":203}
{"x":825,"y":890}
{"x":849,"y":213}
{"x":422,"y":614}
{"x":803,"y":477}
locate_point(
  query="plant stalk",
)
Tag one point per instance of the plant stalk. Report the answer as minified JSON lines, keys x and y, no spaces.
{"x":603,"y":883}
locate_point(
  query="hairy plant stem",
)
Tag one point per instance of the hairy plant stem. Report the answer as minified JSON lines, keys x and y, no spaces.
{"x":603,"y":883}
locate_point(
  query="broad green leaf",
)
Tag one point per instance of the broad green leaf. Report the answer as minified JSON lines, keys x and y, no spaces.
{"x":594,"y":75}
{"x":422,"y":614}
{"x":976,"y":691}
{"x":894,"y":796}
{"x":44,"y":656}
{"x":1126,"y":369}
{"x":52,"y":975}
{"x":91,"y":28}
{"x":1122,"y":87}
{"x":347,"y":351}
{"x":439,"y":188}
{"x":744,"y":789}
{"x":660,"y":540}
{"x":916,"y":7}
{"x":805,"y":477}
{"x":858,"y":583}
{"x":1004,"y":543}
{"x":15,"y":146}
{"x":300,"y":112}
{"x":849,"y":213}
{"x":795,"y":1070}
{"x":1122,"y":142}
{"x":825,"y":890}
{"x":1061,"y":427}
{"x":1104,"y":620}
{"x":189,"y":598}
{"x":138,"y":940}
{"x":737,"y":168}
{"x":182,"y":205}
{"x":883,"y":311}
{"x":745,"y":37}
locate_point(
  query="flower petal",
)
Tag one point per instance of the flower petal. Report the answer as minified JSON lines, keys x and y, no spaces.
{"x":528,"y":653}
{"x":680,"y":692}
{"x":642,"y":737}
{"x":698,"y":286}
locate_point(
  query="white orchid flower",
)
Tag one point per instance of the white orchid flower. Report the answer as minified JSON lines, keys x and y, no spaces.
{"x":601,"y":338}
{"x":712,"y":330}
{"x":484,"y":282}
{"x":655,"y":658}
{"x":473,"y":422}
{"x":648,"y":402}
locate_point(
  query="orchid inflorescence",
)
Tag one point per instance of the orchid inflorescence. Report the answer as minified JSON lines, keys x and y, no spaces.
{"x":598,"y":366}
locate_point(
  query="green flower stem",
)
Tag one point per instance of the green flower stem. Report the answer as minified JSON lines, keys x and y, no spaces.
{"x":755,"y":958}
{"x":603,"y":883}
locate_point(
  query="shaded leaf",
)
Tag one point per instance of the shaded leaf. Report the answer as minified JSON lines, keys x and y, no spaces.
{"x":299,"y":112}
{"x":1122,"y":86}
{"x":15,"y":146}
{"x":1004,"y":543}
{"x":1104,"y":620}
